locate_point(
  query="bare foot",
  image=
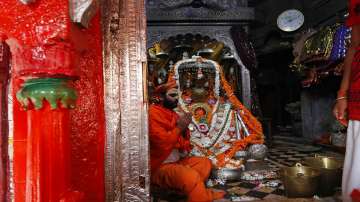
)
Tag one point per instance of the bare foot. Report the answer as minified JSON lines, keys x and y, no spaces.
{"x":218,"y":194}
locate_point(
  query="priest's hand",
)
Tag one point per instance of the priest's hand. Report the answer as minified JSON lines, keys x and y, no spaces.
{"x":184,"y":121}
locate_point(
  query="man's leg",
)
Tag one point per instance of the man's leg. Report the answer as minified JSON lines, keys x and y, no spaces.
{"x":351,"y":171}
{"x":347,"y":162}
{"x":184,"y":179}
{"x":200,"y":164}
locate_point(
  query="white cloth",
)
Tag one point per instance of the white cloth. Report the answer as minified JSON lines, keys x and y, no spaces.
{"x":351,"y":172}
{"x":173,"y":157}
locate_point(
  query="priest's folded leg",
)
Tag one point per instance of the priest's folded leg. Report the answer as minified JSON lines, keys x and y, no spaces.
{"x":187,"y":176}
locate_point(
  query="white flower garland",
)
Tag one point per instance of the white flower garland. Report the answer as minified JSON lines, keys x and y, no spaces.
{"x":222,"y":116}
{"x":220,"y":124}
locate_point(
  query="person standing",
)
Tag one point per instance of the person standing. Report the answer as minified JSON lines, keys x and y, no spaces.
{"x":347,"y":107}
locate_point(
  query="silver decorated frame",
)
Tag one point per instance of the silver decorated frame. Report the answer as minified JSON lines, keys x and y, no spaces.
{"x":124,"y":61}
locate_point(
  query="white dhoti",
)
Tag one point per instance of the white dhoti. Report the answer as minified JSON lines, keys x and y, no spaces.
{"x":351,"y":173}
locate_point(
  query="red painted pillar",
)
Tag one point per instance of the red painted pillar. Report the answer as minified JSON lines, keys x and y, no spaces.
{"x":39,"y":36}
{"x":4,"y":76}
{"x":48,"y":137}
{"x":46,"y":46}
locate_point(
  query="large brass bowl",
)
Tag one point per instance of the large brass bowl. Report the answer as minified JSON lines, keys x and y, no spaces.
{"x":331,"y":173}
{"x":300,"y":181}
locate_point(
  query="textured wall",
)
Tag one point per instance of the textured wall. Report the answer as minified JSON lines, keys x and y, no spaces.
{"x":316,"y":112}
{"x":87,"y":128}
{"x":266,"y":18}
{"x":316,"y":12}
{"x":4,"y":128}
{"x":45,"y":25}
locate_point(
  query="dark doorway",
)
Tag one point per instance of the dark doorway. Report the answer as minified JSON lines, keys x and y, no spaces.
{"x":277,"y":86}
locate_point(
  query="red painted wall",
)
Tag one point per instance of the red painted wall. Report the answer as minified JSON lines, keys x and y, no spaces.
{"x":88,"y":128}
{"x":38,"y":29}
{"x":4,"y":76}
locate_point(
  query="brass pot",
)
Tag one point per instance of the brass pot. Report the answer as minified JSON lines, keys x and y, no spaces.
{"x":300,"y":181}
{"x":331,"y":173}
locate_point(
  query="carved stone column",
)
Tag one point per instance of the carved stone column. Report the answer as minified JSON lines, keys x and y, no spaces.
{"x":127,"y":152}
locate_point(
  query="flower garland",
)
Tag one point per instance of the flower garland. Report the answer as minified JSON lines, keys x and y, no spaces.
{"x":255,"y":130}
{"x":219,"y":125}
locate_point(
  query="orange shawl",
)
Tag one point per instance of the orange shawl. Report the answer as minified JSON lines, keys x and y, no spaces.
{"x":164,"y":135}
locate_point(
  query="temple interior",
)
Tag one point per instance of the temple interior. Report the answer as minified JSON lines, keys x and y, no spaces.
{"x":88,"y":96}
{"x":260,"y":64}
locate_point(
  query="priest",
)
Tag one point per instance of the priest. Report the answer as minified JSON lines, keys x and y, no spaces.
{"x":169,"y":144}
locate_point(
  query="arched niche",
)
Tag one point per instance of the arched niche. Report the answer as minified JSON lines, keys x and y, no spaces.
{"x":218,"y":33}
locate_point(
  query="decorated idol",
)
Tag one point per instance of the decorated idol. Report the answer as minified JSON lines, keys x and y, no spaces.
{"x":221,"y":125}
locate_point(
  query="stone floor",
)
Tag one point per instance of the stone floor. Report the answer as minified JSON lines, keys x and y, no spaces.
{"x":284,"y":151}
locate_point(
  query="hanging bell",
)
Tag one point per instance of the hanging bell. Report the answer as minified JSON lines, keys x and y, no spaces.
{"x":160,"y":53}
{"x":205,"y":52}
{"x":227,"y":56}
{"x":182,"y":46}
{"x":217,"y":47}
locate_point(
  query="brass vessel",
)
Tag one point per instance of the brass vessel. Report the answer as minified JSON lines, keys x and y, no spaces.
{"x":331,"y":172}
{"x":300,"y":181}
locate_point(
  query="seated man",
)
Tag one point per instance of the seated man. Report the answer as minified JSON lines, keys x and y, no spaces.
{"x":167,"y":132}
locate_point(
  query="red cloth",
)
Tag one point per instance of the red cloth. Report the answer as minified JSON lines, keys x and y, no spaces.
{"x":187,"y":175}
{"x":354,"y":13}
{"x":164,"y":135}
{"x":354,"y":89}
{"x":355,"y":195}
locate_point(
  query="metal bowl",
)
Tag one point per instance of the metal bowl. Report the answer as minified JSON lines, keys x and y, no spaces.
{"x":240,"y":155}
{"x":257,"y":151}
{"x":331,"y":173}
{"x":227,"y":174}
{"x":323,"y":163}
{"x":300,"y":181}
